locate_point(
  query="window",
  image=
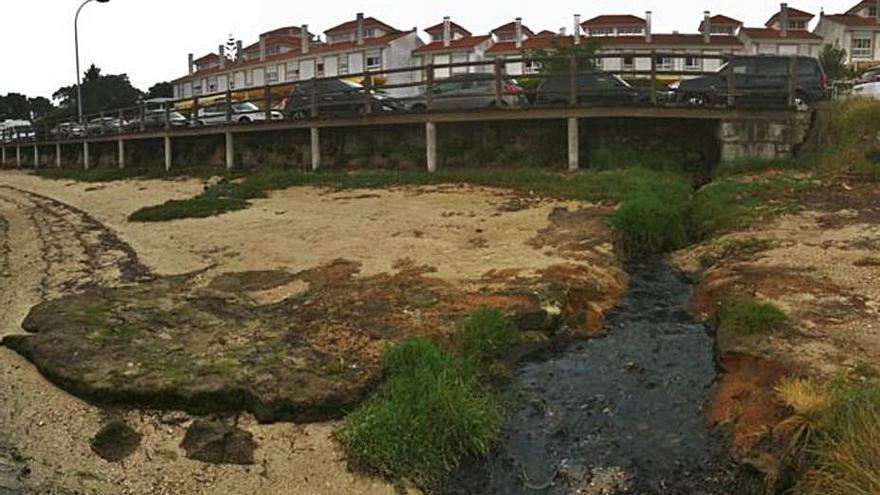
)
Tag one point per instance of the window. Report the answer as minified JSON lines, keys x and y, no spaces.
{"x":197,"y":89}
{"x":601,"y":32}
{"x":374,"y":60}
{"x":248,"y":78}
{"x":343,"y":64}
{"x":370,"y":33}
{"x":862,"y":48}
{"x":320,"y":69}
{"x":459,"y":58}
{"x":629,"y":31}
{"x":629,"y":63}
{"x":532,"y":66}
{"x":664,"y":63}
{"x":282,"y":71}
{"x":722,"y":30}
{"x":872,"y":11}
{"x":504,"y":37}
{"x":292,"y":72}
{"x":271,"y":75}
{"x":691,"y":63}
{"x":797,"y":25}
{"x":212,"y":84}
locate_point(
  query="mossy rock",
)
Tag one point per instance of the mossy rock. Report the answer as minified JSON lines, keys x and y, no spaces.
{"x":115,"y":441}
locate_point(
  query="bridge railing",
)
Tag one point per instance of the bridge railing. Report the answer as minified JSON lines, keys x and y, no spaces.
{"x":521,"y":82}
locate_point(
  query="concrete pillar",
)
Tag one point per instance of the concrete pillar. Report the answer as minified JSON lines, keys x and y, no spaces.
{"x":431,"y":145}
{"x":86,"y":155}
{"x":36,"y":157}
{"x":58,"y":155}
{"x":574,"y":144}
{"x":167,"y":152}
{"x":18,"y":156}
{"x":316,"y":148}
{"x":121,"y":159}
{"x":230,"y":151}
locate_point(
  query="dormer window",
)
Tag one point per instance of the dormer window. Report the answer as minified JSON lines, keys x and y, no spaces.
{"x":797,"y":24}
{"x":872,"y":11}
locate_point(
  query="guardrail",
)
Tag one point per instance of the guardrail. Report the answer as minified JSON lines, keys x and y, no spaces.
{"x":577,"y":83}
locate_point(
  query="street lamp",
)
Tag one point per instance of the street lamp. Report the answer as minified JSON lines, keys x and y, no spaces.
{"x":76,"y":43}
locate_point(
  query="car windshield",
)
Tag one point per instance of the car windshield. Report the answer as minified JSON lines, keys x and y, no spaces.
{"x":621,"y":82}
{"x":351,"y":85}
{"x":245,"y":107}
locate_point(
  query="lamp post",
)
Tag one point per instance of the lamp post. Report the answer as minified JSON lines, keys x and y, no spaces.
{"x":76,"y":43}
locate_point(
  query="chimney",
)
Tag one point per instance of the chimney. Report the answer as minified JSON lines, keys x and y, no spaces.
{"x":222,"y":52}
{"x":262,"y":49}
{"x":447,"y":31}
{"x":519,"y":33}
{"x":577,"y":29}
{"x":305,"y":42}
{"x":783,"y":20}
{"x":359,"y":36}
{"x":707,"y":27}
{"x":191,"y":61}
{"x":648,"y":26}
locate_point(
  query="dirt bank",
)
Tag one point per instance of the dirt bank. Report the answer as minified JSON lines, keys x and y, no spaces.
{"x":478,"y":246}
{"x":821,"y":267}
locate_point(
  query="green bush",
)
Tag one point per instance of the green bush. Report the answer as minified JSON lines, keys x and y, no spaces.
{"x":645,"y":224}
{"x":487,"y":334}
{"x":844,"y":138}
{"x":429,"y":413}
{"x":748,"y":315}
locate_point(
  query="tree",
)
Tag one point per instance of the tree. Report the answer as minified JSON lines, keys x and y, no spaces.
{"x":556,"y":59}
{"x":160,"y":90}
{"x":14,"y":106}
{"x":99,"y":92}
{"x":833,"y":59}
{"x":40,"y":107}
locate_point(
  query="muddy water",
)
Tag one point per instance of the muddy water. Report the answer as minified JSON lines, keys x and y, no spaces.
{"x":622,"y":414}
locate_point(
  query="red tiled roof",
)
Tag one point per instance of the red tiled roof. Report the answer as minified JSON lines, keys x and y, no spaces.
{"x":438,"y":28}
{"x":545,"y":32}
{"x":347,"y":45}
{"x":614,"y":20}
{"x":858,"y":6}
{"x":369,"y":22}
{"x":769,"y":34}
{"x":316,"y":49}
{"x":853,"y":20}
{"x":207,"y":58}
{"x":721,"y":20}
{"x":275,"y":41}
{"x":282,"y":30}
{"x":459,"y":44}
{"x":793,"y":13}
{"x":674,"y":39}
{"x":511,"y":27}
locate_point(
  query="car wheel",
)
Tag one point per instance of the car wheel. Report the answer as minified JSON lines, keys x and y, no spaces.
{"x":244,"y":120}
{"x":299,"y":115}
{"x":801,"y":102}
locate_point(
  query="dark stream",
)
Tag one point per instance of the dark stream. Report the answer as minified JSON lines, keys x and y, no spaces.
{"x":621,"y":414}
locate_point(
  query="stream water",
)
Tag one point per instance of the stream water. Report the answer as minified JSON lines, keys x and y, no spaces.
{"x":621,"y":414}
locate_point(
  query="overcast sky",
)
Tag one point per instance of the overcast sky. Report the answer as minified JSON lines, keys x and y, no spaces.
{"x":149,"y":39}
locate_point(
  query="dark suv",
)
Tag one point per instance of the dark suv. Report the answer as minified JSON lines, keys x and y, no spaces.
{"x":759,"y":80}
{"x":338,"y":97}
{"x":592,"y":88}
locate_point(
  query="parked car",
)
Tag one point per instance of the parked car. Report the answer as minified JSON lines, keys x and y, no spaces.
{"x":469,"y":91}
{"x":67,"y":130}
{"x":155,"y":119}
{"x":241,"y":113}
{"x":336,"y":96}
{"x":758,"y":80}
{"x":592,"y":88}
{"x":105,"y":125}
{"x":869,"y":90}
{"x":869,"y":76}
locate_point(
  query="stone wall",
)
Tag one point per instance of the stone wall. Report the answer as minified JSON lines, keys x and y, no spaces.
{"x":763,"y":139}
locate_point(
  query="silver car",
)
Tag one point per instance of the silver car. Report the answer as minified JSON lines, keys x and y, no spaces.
{"x":241,"y":113}
{"x":469,"y":92}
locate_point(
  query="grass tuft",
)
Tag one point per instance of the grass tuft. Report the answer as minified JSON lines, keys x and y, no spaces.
{"x":429,"y":413}
{"x":749,"y":316}
{"x":487,"y":334}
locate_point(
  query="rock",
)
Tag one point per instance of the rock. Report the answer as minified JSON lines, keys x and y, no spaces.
{"x":215,"y":442}
{"x":214,"y":182}
{"x":115,"y":441}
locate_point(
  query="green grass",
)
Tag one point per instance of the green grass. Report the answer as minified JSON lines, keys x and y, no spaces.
{"x":840,"y":425}
{"x":844,"y":139}
{"x":430,"y":412}
{"x":748,"y":315}
{"x":731,"y":204}
{"x":487,"y":334}
{"x":110,"y":174}
{"x":433,"y":408}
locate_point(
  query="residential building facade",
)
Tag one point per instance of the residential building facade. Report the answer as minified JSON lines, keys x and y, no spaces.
{"x":857,"y":31}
